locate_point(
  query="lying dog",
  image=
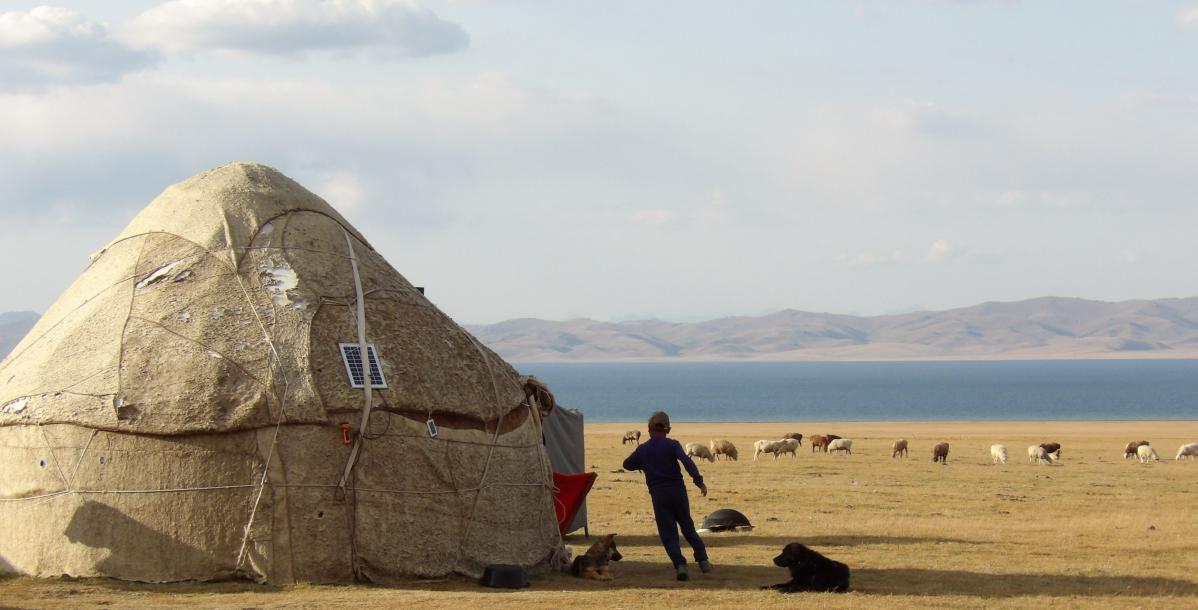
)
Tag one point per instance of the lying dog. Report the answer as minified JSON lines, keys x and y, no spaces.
{"x":810,"y":571}
{"x":594,"y":563}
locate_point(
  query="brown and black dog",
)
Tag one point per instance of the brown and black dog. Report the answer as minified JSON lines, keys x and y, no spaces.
{"x":810,"y":571}
{"x":594,"y":563}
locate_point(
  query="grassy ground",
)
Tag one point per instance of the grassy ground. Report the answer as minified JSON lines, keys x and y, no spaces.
{"x":1095,"y":531}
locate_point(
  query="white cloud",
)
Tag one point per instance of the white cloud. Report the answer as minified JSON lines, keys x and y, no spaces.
{"x":1129,"y":256}
{"x":652,"y":218}
{"x":869,"y":258}
{"x":48,"y":45}
{"x":343,"y":190}
{"x":1188,"y":18}
{"x":400,"y":28}
{"x":940,"y":251}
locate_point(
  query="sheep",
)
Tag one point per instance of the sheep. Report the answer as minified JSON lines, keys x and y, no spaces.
{"x":699,"y":451}
{"x":998,"y":453}
{"x":828,"y":438}
{"x":723,"y":447}
{"x":794,"y":435}
{"x":632,"y":436}
{"x":818,"y":442}
{"x":1129,"y":450}
{"x":763,"y":446}
{"x":1037,"y":455}
{"x":900,"y":446}
{"x":1147,"y":454}
{"x":787,"y":445}
{"x":777,"y":448}
{"x":841,"y":444}
{"x":1052,"y":449}
{"x":1190,"y":451}
{"x":940,"y":453}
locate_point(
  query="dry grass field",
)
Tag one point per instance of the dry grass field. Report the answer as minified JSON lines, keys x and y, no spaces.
{"x":1093,"y":532}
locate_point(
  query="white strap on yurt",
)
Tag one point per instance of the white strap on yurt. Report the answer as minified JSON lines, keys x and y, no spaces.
{"x":363,"y":351}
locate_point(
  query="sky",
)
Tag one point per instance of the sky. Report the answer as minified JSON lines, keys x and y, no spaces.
{"x":615,"y":160}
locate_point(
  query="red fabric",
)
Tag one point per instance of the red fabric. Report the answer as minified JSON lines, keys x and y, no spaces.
{"x":572,"y":489}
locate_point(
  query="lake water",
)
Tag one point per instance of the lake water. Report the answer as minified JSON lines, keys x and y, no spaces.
{"x":876,"y":391}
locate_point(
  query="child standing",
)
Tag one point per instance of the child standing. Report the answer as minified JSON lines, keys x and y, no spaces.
{"x":659,"y":458}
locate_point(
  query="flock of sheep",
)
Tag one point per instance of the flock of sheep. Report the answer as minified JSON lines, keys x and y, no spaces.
{"x":1043,"y":453}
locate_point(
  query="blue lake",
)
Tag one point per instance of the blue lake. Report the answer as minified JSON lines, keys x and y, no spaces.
{"x":877,"y":391}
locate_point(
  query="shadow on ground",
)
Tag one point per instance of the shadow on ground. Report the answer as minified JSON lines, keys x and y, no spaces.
{"x":909,"y":581}
{"x":743,"y":538}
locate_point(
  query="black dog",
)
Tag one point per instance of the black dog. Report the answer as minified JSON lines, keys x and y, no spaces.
{"x":810,"y":571}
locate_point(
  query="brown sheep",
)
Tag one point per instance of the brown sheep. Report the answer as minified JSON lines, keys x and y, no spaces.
{"x":900,"y":447}
{"x":1130,"y":450}
{"x":632,"y":436}
{"x":818,"y":443}
{"x":940,"y":453}
{"x":796,"y":436}
{"x":1053,"y":449}
{"x":723,"y":447}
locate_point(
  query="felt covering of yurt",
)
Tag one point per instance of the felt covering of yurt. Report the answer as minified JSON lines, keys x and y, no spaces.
{"x":177,"y":413}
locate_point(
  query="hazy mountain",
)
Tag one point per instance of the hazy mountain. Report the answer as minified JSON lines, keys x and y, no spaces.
{"x":1047,"y":327}
{"x":13,"y":326}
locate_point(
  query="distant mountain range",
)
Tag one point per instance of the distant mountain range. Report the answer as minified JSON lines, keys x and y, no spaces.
{"x":1044,"y":328}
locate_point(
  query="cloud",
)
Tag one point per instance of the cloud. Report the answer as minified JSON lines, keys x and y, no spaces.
{"x":941,"y":250}
{"x":341,"y":189}
{"x":1188,"y":18}
{"x":869,"y":258}
{"x":394,"y":28}
{"x":48,"y":46}
{"x":652,"y":218}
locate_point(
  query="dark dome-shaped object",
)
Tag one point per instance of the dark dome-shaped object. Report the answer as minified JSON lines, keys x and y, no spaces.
{"x":726,"y":519}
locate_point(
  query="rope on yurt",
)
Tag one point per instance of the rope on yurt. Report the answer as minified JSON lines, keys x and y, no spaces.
{"x":351,"y":498}
{"x":274,"y":440}
{"x":494,"y":442}
{"x":364,"y":354}
{"x":557,"y":555}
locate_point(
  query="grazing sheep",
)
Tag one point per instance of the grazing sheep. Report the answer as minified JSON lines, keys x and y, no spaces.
{"x":1037,"y":455}
{"x":900,"y":446}
{"x":786,"y":445}
{"x":723,"y":447}
{"x":841,"y":444}
{"x":1129,"y":451}
{"x":1147,"y":454}
{"x":1052,"y":449}
{"x":632,"y":436}
{"x":761,"y":447}
{"x":699,"y":451}
{"x":940,"y":453}
{"x":818,"y":442}
{"x":998,"y":453}
{"x":796,"y":436}
{"x":1190,"y":451}
{"x":828,"y":439}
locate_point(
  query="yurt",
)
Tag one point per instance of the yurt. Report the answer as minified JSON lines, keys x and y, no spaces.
{"x":240,"y":386}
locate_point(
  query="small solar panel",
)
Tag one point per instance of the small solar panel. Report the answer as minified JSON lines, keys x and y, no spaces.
{"x":351,"y":355}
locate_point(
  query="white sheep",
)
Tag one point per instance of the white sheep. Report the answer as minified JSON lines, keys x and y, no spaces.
{"x":841,"y":444}
{"x":1147,"y":454}
{"x":998,"y":453}
{"x":787,"y":445}
{"x":1190,"y":451}
{"x":1036,"y":454}
{"x":699,"y":451}
{"x":764,"y":446}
